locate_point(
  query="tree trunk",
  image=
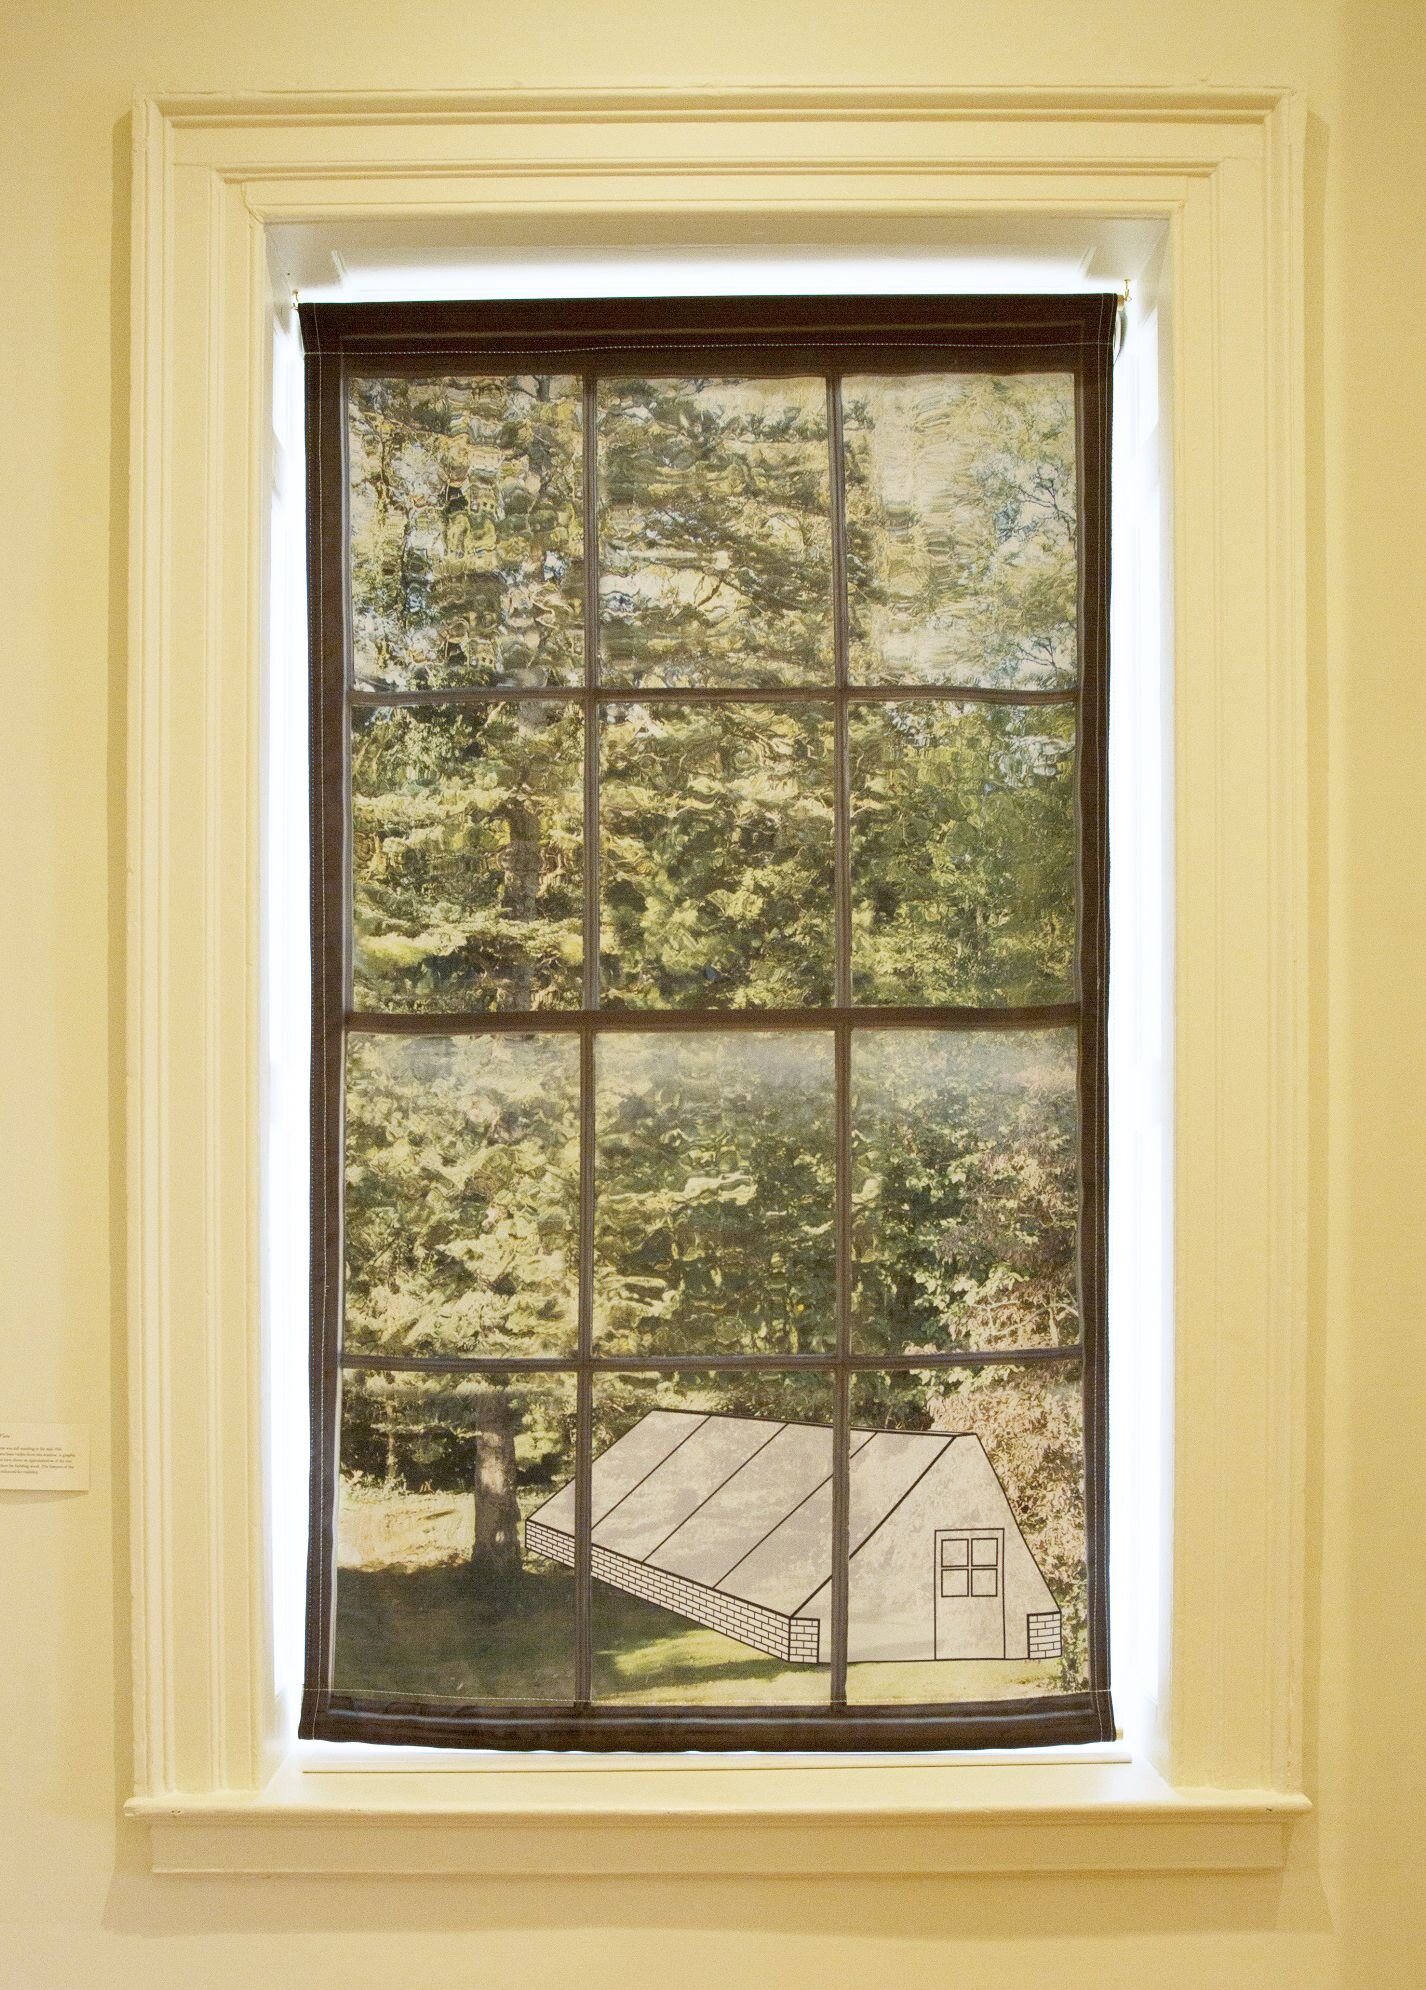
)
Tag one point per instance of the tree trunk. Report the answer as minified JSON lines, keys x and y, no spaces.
{"x":495,"y":1553}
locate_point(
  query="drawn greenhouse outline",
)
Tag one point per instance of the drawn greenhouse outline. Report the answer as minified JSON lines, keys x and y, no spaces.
{"x":727,"y":1521}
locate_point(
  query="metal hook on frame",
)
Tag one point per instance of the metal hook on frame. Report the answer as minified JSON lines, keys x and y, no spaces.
{"x":1121,"y":319}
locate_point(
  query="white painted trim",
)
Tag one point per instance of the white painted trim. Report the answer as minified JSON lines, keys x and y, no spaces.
{"x":213,"y":177}
{"x":721,"y":1820}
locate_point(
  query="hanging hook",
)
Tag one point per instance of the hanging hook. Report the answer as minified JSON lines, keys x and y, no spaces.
{"x":1121,"y":319}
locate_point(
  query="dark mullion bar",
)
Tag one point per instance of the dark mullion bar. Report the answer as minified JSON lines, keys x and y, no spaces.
{"x":771,"y":360}
{"x":475,"y":694}
{"x":538,"y":1022}
{"x":584,"y":1387}
{"x":722,"y":694}
{"x":701,"y":1364}
{"x":959,"y":694}
{"x":591,"y":679}
{"x":841,"y":1404}
{"x":461,"y":1364}
{"x":841,"y":834}
{"x":584,"y":1384}
{"x":692,"y":351}
{"x":842,"y":819}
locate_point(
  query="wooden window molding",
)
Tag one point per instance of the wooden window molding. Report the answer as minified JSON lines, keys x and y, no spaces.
{"x":1217,"y":1767}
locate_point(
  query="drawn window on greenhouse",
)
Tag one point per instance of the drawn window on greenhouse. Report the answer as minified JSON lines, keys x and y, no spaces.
{"x":709,"y":719}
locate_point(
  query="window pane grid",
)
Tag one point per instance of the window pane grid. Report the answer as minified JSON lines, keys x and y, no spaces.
{"x":594,"y":697}
{"x":592,"y":1020}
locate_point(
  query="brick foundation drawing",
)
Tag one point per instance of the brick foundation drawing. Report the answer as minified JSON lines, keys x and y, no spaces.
{"x":1043,"y":1633}
{"x":795,"y":1640}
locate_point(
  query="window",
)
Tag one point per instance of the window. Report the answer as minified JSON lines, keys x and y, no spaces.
{"x":964,"y":1573}
{"x":709,"y":996}
{"x":1213,"y":1422}
{"x":955,"y":1566}
{"x":985,"y":1568}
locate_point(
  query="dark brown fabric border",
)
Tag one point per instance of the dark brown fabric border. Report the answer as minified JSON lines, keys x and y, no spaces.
{"x":718,"y":335}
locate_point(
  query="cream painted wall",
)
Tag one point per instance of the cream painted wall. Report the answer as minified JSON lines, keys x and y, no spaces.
{"x":77,"y":1907}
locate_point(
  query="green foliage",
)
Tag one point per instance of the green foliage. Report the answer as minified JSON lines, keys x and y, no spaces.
{"x":716,"y":856}
{"x":713,"y":1222}
{"x":467,"y":550}
{"x":963,"y":841}
{"x":467,"y":857}
{"x":414,"y":1432}
{"x":964,"y":1190}
{"x":961,"y":509}
{"x":462,"y":1214}
{"x":715,"y":544}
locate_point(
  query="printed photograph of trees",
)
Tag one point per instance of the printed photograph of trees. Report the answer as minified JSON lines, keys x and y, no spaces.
{"x":627,"y":833}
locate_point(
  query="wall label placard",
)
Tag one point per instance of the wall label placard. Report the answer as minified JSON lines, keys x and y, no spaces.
{"x":44,"y":1457}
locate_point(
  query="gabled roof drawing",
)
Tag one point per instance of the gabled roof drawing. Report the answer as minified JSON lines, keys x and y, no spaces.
{"x":728,"y":1519}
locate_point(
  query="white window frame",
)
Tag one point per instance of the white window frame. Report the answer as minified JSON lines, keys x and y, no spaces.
{"x":1214,"y":1778}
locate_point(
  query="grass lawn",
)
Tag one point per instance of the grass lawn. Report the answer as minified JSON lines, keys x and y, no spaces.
{"x":891,"y":1683}
{"x":644,"y":1656}
{"x":429,"y":1634}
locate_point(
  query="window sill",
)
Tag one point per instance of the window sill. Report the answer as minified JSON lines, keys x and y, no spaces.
{"x":627,"y":1816}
